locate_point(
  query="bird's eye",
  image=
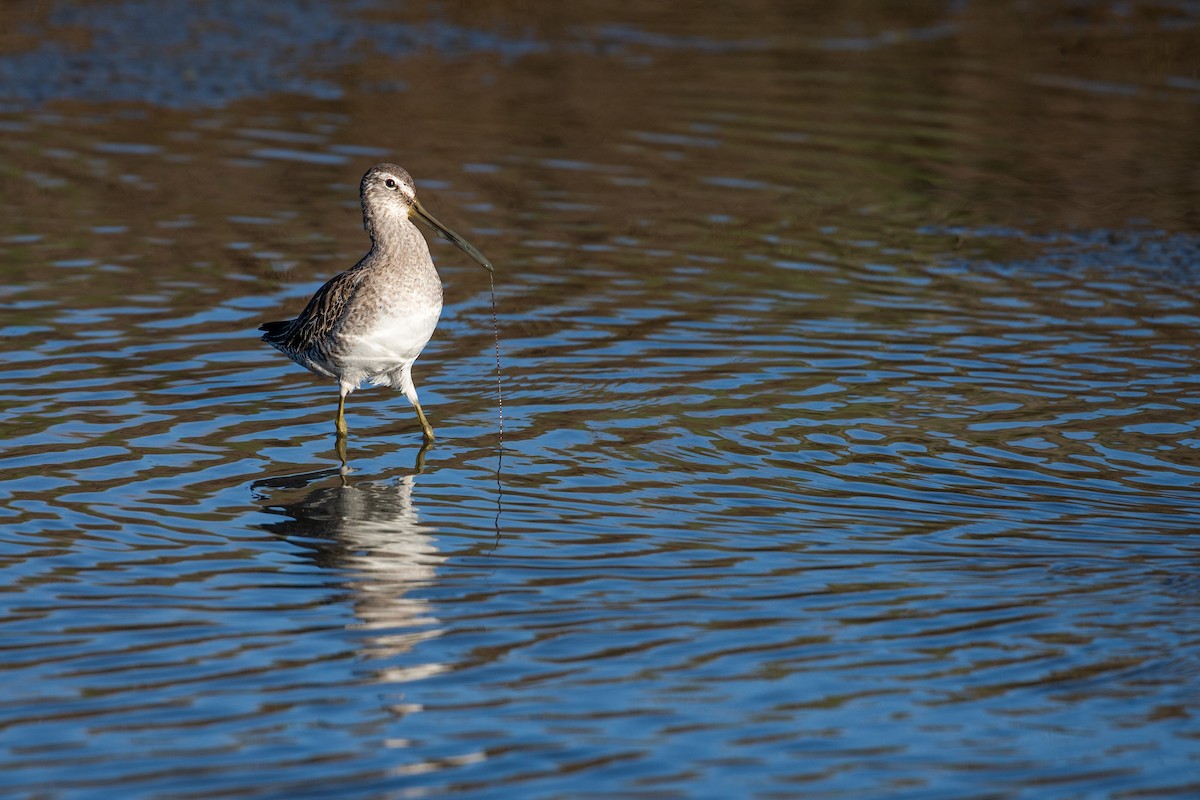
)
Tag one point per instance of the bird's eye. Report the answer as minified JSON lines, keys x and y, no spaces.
{"x":391,"y":184}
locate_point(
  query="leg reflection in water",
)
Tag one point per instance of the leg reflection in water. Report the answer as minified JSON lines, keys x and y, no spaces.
{"x":368,"y":532}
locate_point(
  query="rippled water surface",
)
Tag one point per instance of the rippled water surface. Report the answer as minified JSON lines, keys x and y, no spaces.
{"x":851,"y":439}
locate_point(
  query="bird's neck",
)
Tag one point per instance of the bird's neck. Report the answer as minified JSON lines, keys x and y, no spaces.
{"x":398,"y":243}
{"x":386,"y":225}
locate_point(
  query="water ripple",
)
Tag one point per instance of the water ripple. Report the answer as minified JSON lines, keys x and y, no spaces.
{"x":850,"y":436}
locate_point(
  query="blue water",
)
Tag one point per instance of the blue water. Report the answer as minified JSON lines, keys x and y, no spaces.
{"x":849,"y":429}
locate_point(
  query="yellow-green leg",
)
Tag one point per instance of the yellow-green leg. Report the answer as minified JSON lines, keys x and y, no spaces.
{"x":425,"y":426}
{"x":342,"y":430}
{"x":340,"y":423}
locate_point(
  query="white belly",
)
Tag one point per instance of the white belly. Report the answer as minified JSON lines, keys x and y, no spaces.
{"x":388,"y":349}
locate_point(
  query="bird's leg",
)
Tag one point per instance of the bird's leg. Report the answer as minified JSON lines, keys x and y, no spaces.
{"x":339,"y":441}
{"x":426,"y":428}
{"x":340,"y":423}
{"x":410,"y":391}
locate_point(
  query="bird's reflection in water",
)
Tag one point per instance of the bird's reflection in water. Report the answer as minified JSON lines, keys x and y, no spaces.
{"x":369,"y":531}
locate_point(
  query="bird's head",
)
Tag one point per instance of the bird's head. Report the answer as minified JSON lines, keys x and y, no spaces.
{"x":388,"y":192}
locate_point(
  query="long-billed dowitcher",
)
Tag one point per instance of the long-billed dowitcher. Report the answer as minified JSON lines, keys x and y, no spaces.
{"x":371,"y":322}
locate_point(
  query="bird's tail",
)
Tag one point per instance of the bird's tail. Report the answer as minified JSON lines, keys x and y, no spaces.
{"x":275,"y":331}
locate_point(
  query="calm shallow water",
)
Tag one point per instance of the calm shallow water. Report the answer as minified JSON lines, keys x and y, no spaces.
{"x":850,"y":406}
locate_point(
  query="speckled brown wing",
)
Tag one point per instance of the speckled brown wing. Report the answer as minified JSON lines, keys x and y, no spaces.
{"x":305,"y":338}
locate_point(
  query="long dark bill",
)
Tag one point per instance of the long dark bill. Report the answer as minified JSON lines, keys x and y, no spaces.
{"x":459,"y":242}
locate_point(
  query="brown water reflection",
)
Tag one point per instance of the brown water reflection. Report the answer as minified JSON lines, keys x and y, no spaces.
{"x":986,"y":118}
{"x":850,"y":357}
